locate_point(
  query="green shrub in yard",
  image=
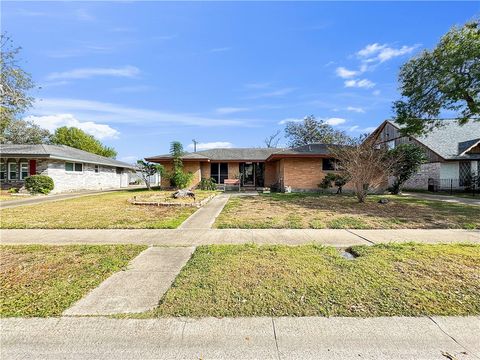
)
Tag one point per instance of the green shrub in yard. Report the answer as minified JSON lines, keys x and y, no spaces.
{"x":207,"y":184}
{"x":39,"y":184}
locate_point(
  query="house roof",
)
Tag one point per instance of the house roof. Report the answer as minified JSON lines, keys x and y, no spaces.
{"x":227,"y":154}
{"x":249,"y":154}
{"x":58,"y":152}
{"x":451,"y":139}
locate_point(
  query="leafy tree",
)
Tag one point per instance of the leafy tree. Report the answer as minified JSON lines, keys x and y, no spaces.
{"x":178,"y":177}
{"x":445,"y":78}
{"x":147,"y":170}
{"x":24,"y":132}
{"x":14,"y":85}
{"x":311,"y":130}
{"x":366,"y":167}
{"x":407,"y":159}
{"x":79,"y":139}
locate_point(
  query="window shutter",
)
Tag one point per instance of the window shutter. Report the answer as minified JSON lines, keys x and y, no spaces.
{"x":32,"y":167}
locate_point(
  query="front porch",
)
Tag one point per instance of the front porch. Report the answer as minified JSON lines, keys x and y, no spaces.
{"x":240,"y":176}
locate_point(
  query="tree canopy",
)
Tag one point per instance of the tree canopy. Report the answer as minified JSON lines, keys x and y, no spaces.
{"x":15,"y":83}
{"x":445,"y":78}
{"x":79,"y":139}
{"x":407,"y":160}
{"x":24,"y":132}
{"x":311,"y":130}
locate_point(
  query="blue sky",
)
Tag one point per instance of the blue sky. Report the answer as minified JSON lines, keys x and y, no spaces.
{"x":141,"y":74}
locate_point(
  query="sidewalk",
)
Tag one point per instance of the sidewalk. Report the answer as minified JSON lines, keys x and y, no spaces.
{"x":446,"y":198}
{"x":195,"y":237}
{"x":204,"y":217}
{"x":242,"y":338}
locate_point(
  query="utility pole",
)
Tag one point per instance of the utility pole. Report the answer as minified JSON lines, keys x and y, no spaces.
{"x":195,"y":145}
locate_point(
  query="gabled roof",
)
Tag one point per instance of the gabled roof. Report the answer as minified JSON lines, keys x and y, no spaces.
{"x":449,"y":139}
{"x":465,"y":146}
{"x":249,"y":154}
{"x":58,"y":152}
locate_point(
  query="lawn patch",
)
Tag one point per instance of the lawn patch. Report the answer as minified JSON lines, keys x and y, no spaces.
{"x":106,"y":211}
{"x":319,"y":211}
{"x":383,"y":280}
{"x":39,"y":280}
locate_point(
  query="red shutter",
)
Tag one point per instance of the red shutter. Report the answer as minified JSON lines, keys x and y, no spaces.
{"x":32,"y":167}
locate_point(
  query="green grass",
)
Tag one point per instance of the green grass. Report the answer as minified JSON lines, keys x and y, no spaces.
{"x":107,"y":211}
{"x":319,"y":211}
{"x":39,"y":280}
{"x":384,"y":280}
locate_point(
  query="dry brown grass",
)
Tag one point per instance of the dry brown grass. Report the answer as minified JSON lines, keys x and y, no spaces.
{"x":108,"y":211}
{"x":328,"y":211}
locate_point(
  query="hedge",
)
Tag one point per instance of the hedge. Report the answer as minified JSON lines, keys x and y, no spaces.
{"x":39,"y":184}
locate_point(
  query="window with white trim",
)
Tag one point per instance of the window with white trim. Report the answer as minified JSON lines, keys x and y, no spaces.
{"x":3,"y":171}
{"x":23,"y":170}
{"x":73,"y":167}
{"x":12,"y":171}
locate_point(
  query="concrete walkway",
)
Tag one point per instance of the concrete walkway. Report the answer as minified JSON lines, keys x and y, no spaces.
{"x":446,"y":198}
{"x":195,"y":237}
{"x":424,"y":338}
{"x":204,"y":217}
{"x":40,"y":199}
{"x":137,"y":289}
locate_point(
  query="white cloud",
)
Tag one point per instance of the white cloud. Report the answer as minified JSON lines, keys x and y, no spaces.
{"x":382,"y":52}
{"x":273,"y":93}
{"x":84,"y":73}
{"x":358,"y":129}
{"x":355,"y":109}
{"x":362,"y":83}
{"x":376,"y":92}
{"x":211,"y":145}
{"x":230,"y":110}
{"x":102,"y":112}
{"x":287,"y":120}
{"x":335,"y":121}
{"x":345,"y":73}
{"x":52,"y":122}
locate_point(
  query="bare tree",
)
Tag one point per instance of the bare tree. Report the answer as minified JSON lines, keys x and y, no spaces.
{"x":273,"y":140}
{"x":366,"y":166}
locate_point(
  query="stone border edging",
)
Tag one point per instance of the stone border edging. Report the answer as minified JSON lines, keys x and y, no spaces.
{"x":197,"y":204}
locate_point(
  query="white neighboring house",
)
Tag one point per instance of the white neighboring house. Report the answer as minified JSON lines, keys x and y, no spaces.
{"x":452,"y":150}
{"x":71,"y":169}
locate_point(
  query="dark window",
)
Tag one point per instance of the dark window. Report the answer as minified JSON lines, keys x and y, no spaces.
{"x":68,"y":166}
{"x":465,"y":173}
{"x":119,"y":170}
{"x":3,"y":170}
{"x":219,"y":172}
{"x":97,"y":168}
{"x":329,"y":164}
{"x":78,"y":167}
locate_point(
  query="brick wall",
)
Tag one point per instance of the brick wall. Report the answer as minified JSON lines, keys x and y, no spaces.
{"x":233,"y":170}
{"x":271,"y":173}
{"x":419,"y":181}
{"x":194,"y":167}
{"x":302,"y":174}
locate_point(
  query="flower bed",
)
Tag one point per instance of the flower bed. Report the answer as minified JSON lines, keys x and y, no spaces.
{"x":164,"y":198}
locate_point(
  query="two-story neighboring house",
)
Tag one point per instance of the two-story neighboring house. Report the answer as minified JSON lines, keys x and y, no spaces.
{"x":452,"y":150}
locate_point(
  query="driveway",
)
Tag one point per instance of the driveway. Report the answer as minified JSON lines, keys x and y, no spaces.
{"x":446,"y":198}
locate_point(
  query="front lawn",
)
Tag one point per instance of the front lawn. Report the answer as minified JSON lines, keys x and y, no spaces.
{"x":317,"y":211}
{"x":7,"y":196}
{"x":107,"y":211}
{"x":384,"y":280}
{"x":38,"y":280}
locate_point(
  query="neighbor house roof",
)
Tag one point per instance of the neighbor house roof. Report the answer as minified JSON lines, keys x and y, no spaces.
{"x":249,"y":154}
{"x":451,"y":140}
{"x":58,"y":152}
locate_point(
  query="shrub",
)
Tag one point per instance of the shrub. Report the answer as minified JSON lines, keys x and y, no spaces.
{"x":180,"y":179}
{"x":207,"y":184}
{"x":337,"y":179}
{"x":39,"y":184}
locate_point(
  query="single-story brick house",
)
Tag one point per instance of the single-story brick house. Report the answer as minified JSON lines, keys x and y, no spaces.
{"x":452,"y":150}
{"x":299,"y":169}
{"x":71,"y":169}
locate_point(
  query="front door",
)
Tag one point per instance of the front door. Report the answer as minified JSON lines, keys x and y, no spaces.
{"x":247,"y":171}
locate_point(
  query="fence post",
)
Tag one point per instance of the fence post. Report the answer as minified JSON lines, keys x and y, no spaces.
{"x":451,"y":186}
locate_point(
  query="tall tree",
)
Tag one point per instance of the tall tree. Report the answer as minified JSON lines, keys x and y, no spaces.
{"x":24,"y":132}
{"x":311,"y":130}
{"x":15,"y":83}
{"x":445,"y":78}
{"x":407,"y":160}
{"x":79,"y":139}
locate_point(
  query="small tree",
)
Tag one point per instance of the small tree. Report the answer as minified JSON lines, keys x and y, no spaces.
{"x":406,"y":159}
{"x":337,"y":179}
{"x":147,"y":170}
{"x":272,"y":141}
{"x":178,"y":177}
{"x":366,"y":166}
